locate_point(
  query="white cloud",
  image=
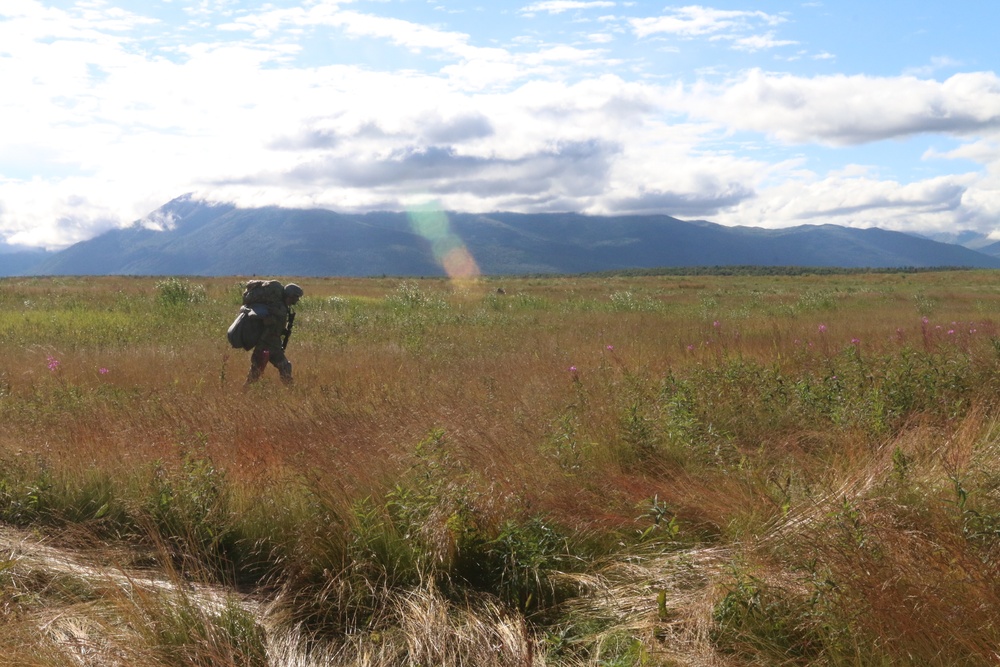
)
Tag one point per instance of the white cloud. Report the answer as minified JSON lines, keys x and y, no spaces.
{"x":560,"y":6}
{"x":760,"y":42}
{"x":985,"y":151}
{"x":111,"y":124}
{"x":600,"y":38}
{"x":844,"y":110}
{"x":936,"y":64}
{"x":404,"y":33}
{"x":695,"y":20}
{"x":854,"y":198}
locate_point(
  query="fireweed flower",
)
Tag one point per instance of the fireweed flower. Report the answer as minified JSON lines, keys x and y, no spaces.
{"x":53,"y":363}
{"x":103,"y":371}
{"x":855,"y":341}
{"x":610,"y":348}
{"x":822,"y":328}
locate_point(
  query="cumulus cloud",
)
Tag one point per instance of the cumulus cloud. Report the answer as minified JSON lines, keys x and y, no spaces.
{"x":855,"y":198}
{"x":843,"y":110}
{"x":760,"y":42}
{"x":407,"y":34}
{"x":696,"y":21}
{"x":560,"y":6}
{"x":567,"y":169}
{"x":116,"y":113}
{"x":709,"y":202}
{"x":936,"y":64}
{"x":983,"y":151}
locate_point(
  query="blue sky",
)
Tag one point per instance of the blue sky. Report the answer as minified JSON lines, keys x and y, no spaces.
{"x":768,"y":114}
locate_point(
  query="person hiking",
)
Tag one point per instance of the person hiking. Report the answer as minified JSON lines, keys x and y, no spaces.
{"x":272,"y":304}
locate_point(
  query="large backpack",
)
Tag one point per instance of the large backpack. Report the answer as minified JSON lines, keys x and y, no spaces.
{"x":245,"y":331}
{"x":263,"y":291}
{"x":247,"y":328}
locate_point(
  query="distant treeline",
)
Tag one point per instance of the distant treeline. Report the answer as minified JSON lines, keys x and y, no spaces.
{"x":753,"y":270}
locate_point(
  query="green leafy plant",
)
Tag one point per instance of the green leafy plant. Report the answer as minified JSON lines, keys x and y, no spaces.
{"x":173,"y":292}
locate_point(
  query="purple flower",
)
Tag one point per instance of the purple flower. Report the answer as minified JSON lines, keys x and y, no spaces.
{"x":855,"y":341}
{"x":610,"y":348}
{"x":572,"y":369}
{"x":822,"y":328}
{"x":103,"y":371}
{"x":716,"y":324}
{"x":53,"y":363}
{"x":690,"y":348}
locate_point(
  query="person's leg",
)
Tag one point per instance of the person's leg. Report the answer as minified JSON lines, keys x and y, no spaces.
{"x":284,"y":366}
{"x":286,"y":372}
{"x":258,"y":362}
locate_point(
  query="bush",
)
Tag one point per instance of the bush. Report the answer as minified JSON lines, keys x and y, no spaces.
{"x":174,"y":292}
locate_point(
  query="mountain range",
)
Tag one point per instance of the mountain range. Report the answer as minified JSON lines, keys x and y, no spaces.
{"x":190,"y":237}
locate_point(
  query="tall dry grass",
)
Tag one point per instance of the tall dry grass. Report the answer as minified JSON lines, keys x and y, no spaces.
{"x":581,"y":471}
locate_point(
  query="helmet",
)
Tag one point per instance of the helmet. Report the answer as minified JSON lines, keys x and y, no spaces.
{"x":293,"y":291}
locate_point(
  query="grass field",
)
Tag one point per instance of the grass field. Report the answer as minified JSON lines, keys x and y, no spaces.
{"x":645,"y":470}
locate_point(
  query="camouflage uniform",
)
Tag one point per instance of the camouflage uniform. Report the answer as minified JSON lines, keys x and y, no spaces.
{"x":268,"y":349}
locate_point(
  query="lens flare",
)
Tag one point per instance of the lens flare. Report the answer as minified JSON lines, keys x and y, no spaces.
{"x":449,"y":251}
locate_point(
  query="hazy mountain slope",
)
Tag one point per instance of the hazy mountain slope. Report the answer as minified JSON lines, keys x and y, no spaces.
{"x":968,"y":238}
{"x":20,"y":262}
{"x":137,"y":249}
{"x":200,"y":239}
{"x":992,"y":249}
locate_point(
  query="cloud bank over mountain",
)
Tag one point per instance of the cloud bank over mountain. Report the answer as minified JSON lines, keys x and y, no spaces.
{"x":771,"y":115}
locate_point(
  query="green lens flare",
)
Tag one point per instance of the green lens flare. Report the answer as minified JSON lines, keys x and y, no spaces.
{"x":449,"y":251}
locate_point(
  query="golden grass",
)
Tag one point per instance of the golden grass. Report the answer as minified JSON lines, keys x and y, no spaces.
{"x":827,"y":456}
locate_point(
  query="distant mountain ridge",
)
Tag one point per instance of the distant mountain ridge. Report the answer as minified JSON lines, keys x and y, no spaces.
{"x":197,"y":238}
{"x":20,"y":262}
